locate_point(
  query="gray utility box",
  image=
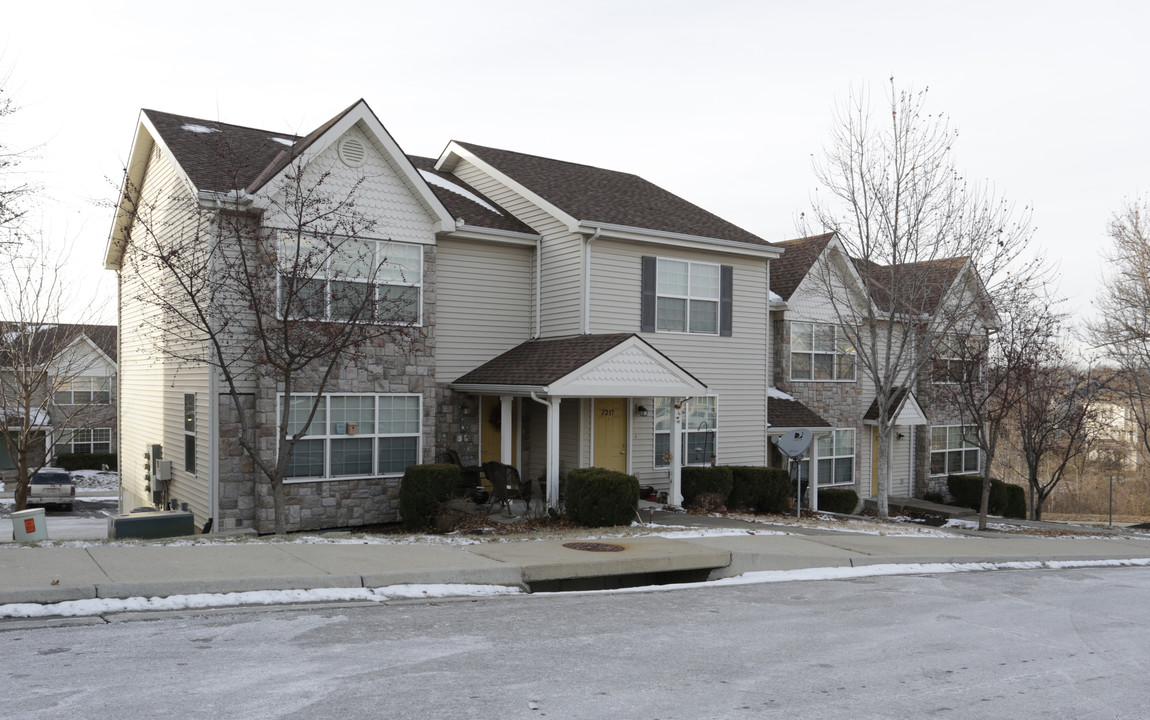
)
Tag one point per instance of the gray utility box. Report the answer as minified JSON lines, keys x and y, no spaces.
{"x":151,"y":525}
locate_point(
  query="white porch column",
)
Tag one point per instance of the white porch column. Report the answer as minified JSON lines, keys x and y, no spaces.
{"x":507,"y":430}
{"x":553,"y":453}
{"x":813,"y":486}
{"x":675,"y":496}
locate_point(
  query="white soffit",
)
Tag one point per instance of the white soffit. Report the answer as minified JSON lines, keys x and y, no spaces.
{"x":631,"y":369}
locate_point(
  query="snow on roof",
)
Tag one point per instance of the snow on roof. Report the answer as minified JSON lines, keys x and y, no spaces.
{"x":775,"y":297}
{"x":192,"y":127}
{"x":39,"y":416}
{"x":433,"y":179}
{"x":281,"y":141}
{"x":777,"y":394}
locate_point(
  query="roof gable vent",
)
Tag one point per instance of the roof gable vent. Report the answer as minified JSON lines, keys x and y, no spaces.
{"x":352,"y":151}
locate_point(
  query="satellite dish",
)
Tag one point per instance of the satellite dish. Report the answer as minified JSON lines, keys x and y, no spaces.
{"x":794,"y":443}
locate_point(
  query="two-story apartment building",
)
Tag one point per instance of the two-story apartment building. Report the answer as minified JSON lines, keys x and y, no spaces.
{"x":565,"y":316}
{"x":57,"y":386}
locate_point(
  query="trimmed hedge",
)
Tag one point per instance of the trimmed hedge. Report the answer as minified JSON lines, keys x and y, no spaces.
{"x":838,"y":500}
{"x":86,"y":461}
{"x":597,"y":497}
{"x":699,"y":480}
{"x":1006,"y":499}
{"x":763,"y":489}
{"x":422,"y":490}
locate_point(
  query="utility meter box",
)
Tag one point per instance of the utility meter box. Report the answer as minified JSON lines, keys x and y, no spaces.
{"x":163,"y":470}
{"x":29,"y":525}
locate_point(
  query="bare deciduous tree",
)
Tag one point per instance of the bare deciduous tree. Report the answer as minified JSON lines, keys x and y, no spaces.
{"x":279,"y":294}
{"x":37,"y":354}
{"x":986,"y":370}
{"x":1122,"y":331}
{"x":13,"y":190}
{"x":1057,"y":421}
{"x":928,"y":247}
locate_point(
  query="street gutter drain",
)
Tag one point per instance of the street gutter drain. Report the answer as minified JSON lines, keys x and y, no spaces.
{"x":594,"y":547}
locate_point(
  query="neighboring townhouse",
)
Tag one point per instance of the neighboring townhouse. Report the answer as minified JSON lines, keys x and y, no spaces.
{"x":68,"y":372}
{"x":566,"y":316}
{"x":816,"y":364}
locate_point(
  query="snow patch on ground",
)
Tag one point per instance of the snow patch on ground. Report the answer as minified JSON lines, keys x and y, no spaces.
{"x":102,"y":606}
{"x":96,"y":480}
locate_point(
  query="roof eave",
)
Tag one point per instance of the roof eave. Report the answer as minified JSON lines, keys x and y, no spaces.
{"x":663,"y":237}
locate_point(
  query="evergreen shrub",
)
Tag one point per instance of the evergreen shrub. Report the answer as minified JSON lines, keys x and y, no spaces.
{"x":706,"y":479}
{"x":763,"y":489}
{"x":86,"y":461}
{"x":422,"y":490}
{"x":1006,"y":499}
{"x":838,"y":500}
{"x":597,"y":497}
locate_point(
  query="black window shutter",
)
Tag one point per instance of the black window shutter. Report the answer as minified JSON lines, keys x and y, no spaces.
{"x":726,"y":299}
{"x":647,"y":309}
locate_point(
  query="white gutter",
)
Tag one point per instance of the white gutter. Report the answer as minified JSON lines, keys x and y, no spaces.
{"x":587,"y":282}
{"x":660,"y":236}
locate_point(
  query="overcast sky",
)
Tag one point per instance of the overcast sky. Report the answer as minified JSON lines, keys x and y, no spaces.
{"x":722,"y":103}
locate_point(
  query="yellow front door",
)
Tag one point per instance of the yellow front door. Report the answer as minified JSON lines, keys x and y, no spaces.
{"x":874,"y":462}
{"x":610,"y":431}
{"x":491,"y":434}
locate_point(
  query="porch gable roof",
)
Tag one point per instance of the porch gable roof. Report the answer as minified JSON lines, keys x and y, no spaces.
{"x":907,"y":410}
{"x":612,"y":365}
{"x":792,"y":414}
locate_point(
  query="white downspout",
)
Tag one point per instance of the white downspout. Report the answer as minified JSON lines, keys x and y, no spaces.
{"x":538,"y":286}
{"x":213,"y":395}
{"x":552,"y":448}
{"x":587,"y":281}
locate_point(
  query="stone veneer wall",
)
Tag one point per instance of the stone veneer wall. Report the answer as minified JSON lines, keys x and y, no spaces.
{"x":389,"y":366}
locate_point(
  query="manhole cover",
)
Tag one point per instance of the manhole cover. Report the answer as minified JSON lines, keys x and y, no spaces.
{"x":593,"y":546}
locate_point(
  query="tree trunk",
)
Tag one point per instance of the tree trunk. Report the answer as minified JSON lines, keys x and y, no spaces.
{"x":984,"y":503}
{"x":278,"y":504}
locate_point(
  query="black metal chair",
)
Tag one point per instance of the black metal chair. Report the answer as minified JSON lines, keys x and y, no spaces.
{"x":506,"y":485}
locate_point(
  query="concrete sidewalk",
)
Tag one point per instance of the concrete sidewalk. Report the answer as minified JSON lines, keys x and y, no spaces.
{"x":53,"y":574}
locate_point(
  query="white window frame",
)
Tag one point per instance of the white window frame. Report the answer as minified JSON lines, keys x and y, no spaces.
{"x":67,"y":388}
{"x":840,"y":348}
{"x":68,"y":445}
{"x":665,"y":411}
{"x":827,"y":479}
{"x":689,"y":297}
{"x":964,"y":448}
{"x":190,"y":437}
{"x":945,"y":361}
{"x":380,"y":264}
{"x":328,"y":435}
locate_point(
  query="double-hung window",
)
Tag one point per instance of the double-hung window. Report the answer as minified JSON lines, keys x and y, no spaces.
{"x":687,"y":297}
{"x":953,"y":450}
{"x":821,"y":352}
{"x":355,"y":435}
{"x":190,"y":432}
{"x":836,"y":459}
{"x":85,"y":441}
{"x":957,"y":361}
{"x":346,"y":279}
{"x":699,"y":431}
{"x":82,"y":391}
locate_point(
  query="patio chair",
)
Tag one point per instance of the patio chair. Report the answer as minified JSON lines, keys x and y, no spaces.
{"x":505,"y":484}
{"x":469,"y":476}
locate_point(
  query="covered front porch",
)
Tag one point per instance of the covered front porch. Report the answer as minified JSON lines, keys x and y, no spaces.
{"x":611,"y":401}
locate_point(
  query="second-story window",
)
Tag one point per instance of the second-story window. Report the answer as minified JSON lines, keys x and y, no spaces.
{"x":687,"y":297}
{"x":350,"y":279}
{"x":957,"y":361}
{"x":83,"y":391}
{"x":821,"y":352}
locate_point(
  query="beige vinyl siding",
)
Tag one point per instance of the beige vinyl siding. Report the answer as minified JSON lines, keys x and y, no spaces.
{"x":561,"y":312}
{"x":484,"y":303}
{"x":734,"y":368}
{"x":148,"y":412}
{"x":382,"y":194}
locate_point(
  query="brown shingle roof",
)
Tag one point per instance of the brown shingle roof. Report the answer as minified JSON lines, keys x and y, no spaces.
{"x":789,"y":270}
{"x":461,"y":207}
{"x":592,"y":194}
{"x":922,"y":285}
{"x":897,"y":401}
{"x":537,"y":363}
{"x":792,"y":414}
{"x":48,"y":340}
{"x":218,"y":156}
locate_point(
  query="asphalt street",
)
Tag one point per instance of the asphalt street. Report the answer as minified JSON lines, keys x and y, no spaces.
{"x":1006,"y":644}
